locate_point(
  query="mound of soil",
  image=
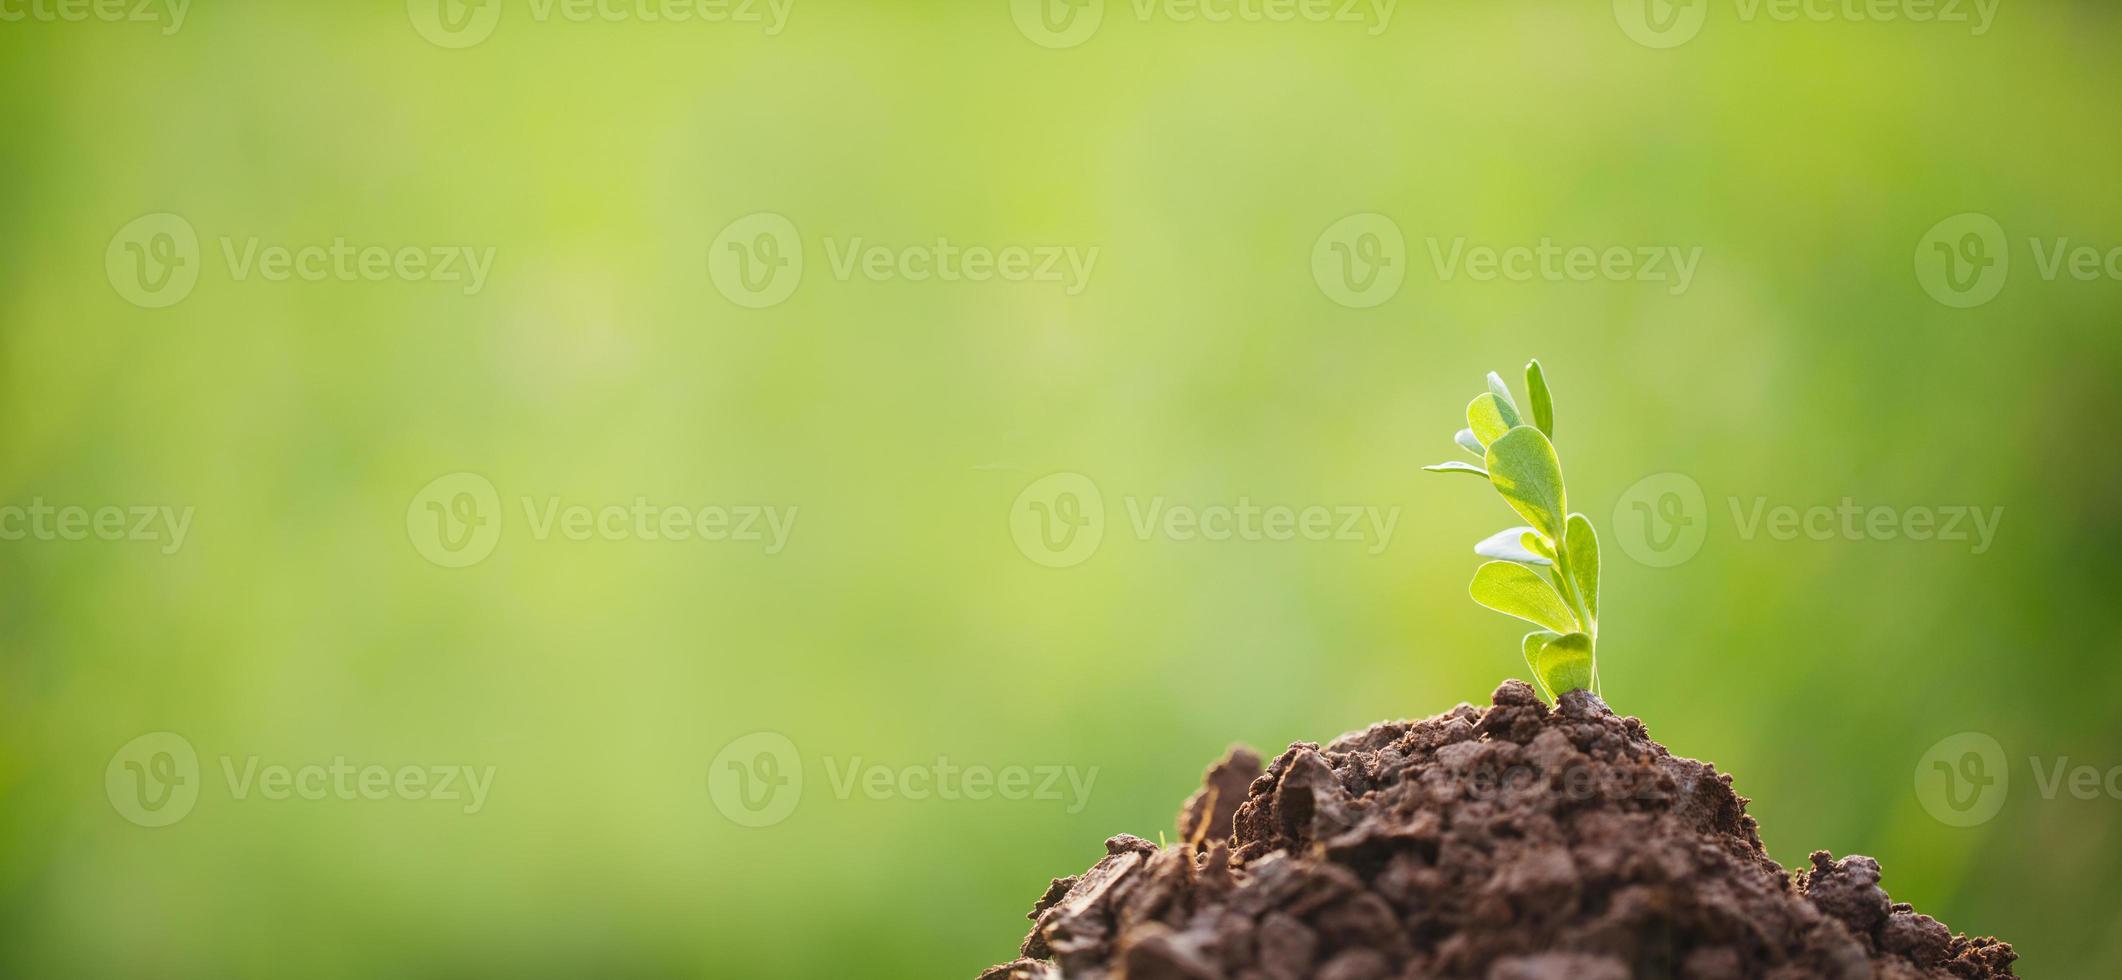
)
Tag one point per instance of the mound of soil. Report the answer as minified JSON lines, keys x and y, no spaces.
{"x":1508,"y":843}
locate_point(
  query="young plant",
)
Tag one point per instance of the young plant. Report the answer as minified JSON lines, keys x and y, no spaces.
{"x":1518,"y":458}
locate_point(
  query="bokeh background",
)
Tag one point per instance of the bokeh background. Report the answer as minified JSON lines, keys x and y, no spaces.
{"x":1203,"y":362}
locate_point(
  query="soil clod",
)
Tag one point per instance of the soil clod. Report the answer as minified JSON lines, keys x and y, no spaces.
{"x":1513,"y":842}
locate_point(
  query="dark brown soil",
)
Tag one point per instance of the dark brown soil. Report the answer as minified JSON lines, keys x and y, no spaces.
{"x":1508,"y":843}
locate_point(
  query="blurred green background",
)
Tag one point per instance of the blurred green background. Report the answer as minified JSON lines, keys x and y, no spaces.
{"x":1206,"y":359}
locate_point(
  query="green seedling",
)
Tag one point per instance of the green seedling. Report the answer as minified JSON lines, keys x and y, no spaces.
{"x":1547,"y":571}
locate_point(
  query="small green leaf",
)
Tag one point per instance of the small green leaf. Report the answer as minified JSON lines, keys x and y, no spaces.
{"x":1533,"y":542}
{"x":1533,"y":642}
{"x":1458,"y":467}
{"x":1465,"y":439}
{"x":1543,"y":404}
{"x":1565,"y":663}
{"x":1510,"y":546}
{"x":1581,"y":543}
{"x":1497,"y":388}
{"x":1523,"y":468}
{"x":1515,"y":590}
{"x":1489,"y":417}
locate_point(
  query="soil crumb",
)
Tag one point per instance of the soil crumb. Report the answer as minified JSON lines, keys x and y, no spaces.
{"x":1515,"y":842}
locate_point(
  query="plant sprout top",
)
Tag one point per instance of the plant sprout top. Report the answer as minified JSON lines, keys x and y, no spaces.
{"x":1546,"y":573}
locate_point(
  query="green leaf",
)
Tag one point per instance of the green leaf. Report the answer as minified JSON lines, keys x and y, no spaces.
{"x":1533,"y":542}
{"x":1533,"y":642}
{"x":1489,"y":417}
{"x":1581,"y":544}
{"x":1510,"y":546}
{"x":1458,"y":467}
{"x":1465,"y":439}
{"x":1543,"y":404}
{"x":1523,"y":468}
{"x":1497,"y":388}
{"x":1564,"y":663}
{"x":1515,"y":590}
